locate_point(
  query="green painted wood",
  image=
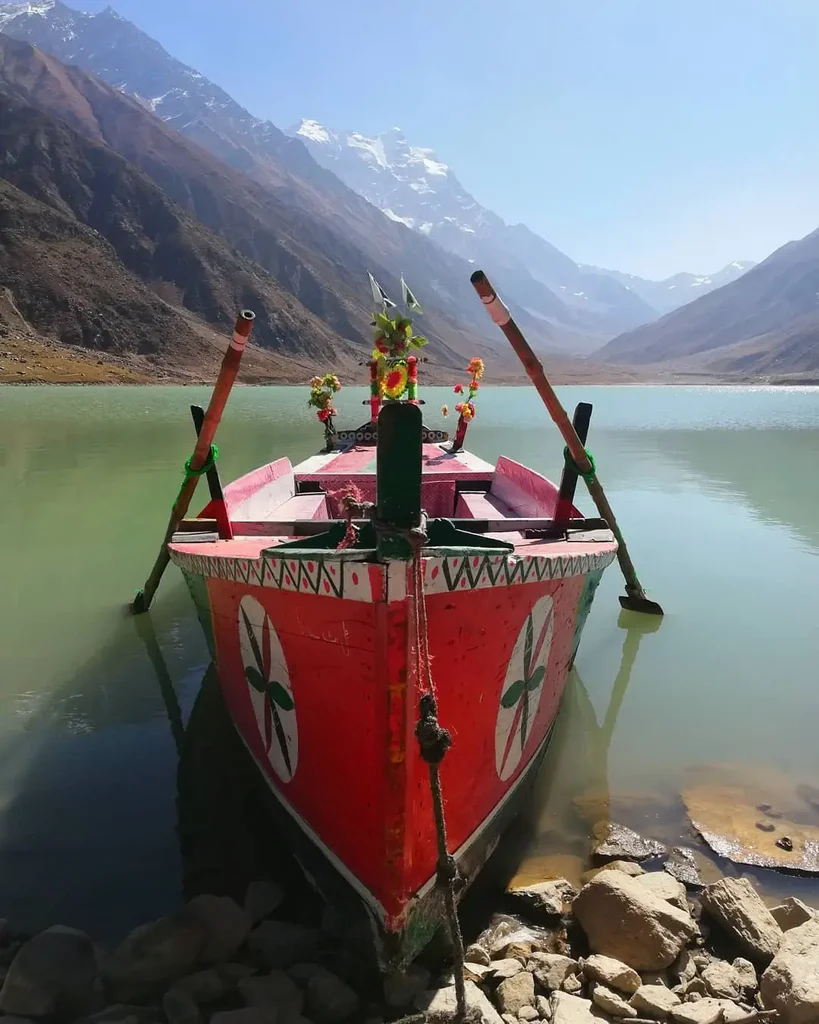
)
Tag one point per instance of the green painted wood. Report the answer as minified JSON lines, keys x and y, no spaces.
{"x":398,"y":470}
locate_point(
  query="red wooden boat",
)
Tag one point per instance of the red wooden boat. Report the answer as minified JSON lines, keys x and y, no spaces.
{"x":320,"y":610}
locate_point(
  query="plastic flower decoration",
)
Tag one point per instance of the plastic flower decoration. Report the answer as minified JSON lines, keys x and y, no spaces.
{"x":467,"y":408}
{"x":445,"y":410}
{"x":322,"y":390}
{"x":394,"y":338}
{"x":395,"y":380}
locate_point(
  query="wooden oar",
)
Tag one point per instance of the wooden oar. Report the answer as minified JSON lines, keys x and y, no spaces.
{"x":201,"y":454}
{"x":635,"y":597}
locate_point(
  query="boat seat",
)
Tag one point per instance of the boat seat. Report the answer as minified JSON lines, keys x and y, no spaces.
{"x":303,"y":506}
{"x":482,"y":505}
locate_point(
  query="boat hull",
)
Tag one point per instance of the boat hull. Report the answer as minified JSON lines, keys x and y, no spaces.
{"x":314,"y":652}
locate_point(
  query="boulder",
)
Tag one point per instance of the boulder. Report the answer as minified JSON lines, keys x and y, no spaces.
{"x":568,"y":1009}
{"x":667,"y":888}
{"x":514,"y":993}
{"x":402,"y":987}
{"x":628,"y":867}
{"x":475,"y":972}
{"x":611,"y":1002}
{"x":203,"y":986}
{"x":704,"y":1011}
{"x":682,"y":865}
{"x":280,"y":943}
{"x":722,"y":980}
{"x":623,"y":920}
{"x":737,"y":907}
{"x":329,"y":999}
{"x":616,"y":842}
{"x":746,"y":972}
{"x":248,"y":1015}
{"x":792,"y":912}
{"x":501,"y":969}
{"x":226,"y":926}
{"x":442,"y":1005}
{"x":52,"y":973}
{"x":654,"y":1001}
{"x":262,"y":899}
{"x":552,"y":969}
{"x":274,"y":991}
{"x":791,"y":982}
{"x":477,"y":954}
{"x":612,"y":973}
{"x":544,"y":1007}
{"x":154,"y":955}
{"x":550,"y":899}
{"x":573,"y":984}
{"x":528,"y":1013}
{"x":179,"y":1008}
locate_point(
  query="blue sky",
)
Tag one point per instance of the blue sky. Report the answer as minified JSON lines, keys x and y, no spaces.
{"x":644,"y":135}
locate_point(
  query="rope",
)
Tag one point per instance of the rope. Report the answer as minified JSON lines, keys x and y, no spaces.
{"x":190,"y":473}
{"x":590,"y":473}
{"x":434,"y":741}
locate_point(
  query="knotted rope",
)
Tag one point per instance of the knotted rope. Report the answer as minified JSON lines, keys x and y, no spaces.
{"x":434,"y":741}
{"x":353,"y":506}
{"x":590,"y":473}
{"x":190,"y":473}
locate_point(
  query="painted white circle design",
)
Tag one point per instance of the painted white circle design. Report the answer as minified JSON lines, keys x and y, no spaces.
{"x":268,"y":681}
{"x":521,"y":693}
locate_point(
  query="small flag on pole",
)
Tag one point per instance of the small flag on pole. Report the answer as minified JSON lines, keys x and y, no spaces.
{"x":409,"y":299}
{"x":380,"y":297}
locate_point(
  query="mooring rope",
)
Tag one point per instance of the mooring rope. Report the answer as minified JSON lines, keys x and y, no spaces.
{"x":189,"y":473}
{"x":434,"y":741}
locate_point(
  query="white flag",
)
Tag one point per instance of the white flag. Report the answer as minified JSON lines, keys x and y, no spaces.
{"x":380,"y":297}
{"x":409,"y":299}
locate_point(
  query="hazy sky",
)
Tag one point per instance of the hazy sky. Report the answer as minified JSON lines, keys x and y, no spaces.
{"x":644,"y":135}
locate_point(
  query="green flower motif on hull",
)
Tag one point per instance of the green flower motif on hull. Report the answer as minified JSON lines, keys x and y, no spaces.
{"x":269,"y":684}
{"x":523,"y":687}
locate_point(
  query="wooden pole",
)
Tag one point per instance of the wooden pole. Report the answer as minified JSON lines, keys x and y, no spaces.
{"x":568,"y":479}
{"x":201,"y":454}
{"x":214,"y":483}
{"x":635,"y":597}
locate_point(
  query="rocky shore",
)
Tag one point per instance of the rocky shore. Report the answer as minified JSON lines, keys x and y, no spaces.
{"x":629,"y":945}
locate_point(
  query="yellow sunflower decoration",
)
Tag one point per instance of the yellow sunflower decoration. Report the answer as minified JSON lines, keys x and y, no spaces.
{"x":395,"y":380}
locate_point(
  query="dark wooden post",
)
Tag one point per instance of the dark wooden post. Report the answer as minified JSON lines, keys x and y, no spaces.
{"x":568,"y":480}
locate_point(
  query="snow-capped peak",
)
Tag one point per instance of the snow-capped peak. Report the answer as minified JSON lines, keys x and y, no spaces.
{"x":8,"y":12}
{"x":314,"y":131}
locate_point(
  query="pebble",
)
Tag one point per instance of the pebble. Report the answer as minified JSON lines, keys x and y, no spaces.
{"x":611,"y":972}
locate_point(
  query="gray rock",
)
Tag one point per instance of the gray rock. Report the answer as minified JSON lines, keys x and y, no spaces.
{"x":442,"y":1005}
{"x":274,"y":991}
{"x":616,"y":842}
{"x":682,"y":865}
{"x":655,"y":978}
{"x":654,"y":1001}
{"x":612,"y":973}
{"x":623,"y":920}
{"x":550,"y":899}
{"x":477,"y":954}
{"x":684,"y":969}
{"x":611,"y":1002}
{"x":330,"y":999}
{"x":247,"y":1015}
{"x":226,"y":926}
{"x":154,"y":955}
{"x":262,"y":899}
{"x":572,"y":984}
{"x":791,"y":982}
{"x":722,"y":980}
{"x":736,"y":906}
{"x":402,"y":987}
{"x":528,"y":1013}
{"x":667,"y":888}
{"x":509,"y":1018}
{"x":543,"y":1007}
{"x":514,"y":993}
{"x":476,"y":972}
{"x":792,"y":912}
{"x":553,"y":969}
{"x":705,"y":1011}
{"x":52,"y":973}
{"x":180,"y":1008}
{"x":501,"y":969}
{"x":746,"y":972}
{"x":568,"y":1009}
{"x":203,"y":986}
{"x":280,"y":943}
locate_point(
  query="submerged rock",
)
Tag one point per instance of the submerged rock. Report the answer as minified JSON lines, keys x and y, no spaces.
{"x":618,"y":842}
{"x":737,"y":907}
{"x":52,"y":973}
{"x":622,"y":919}
{"x":791,"y":982}
{"x":682,"y":865}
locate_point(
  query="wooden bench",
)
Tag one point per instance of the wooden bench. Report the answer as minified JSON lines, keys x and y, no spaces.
{"x":303,"y":506}
{"x":482,"y":505}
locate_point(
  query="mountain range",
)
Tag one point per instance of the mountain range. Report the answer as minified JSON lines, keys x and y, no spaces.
{"x":140,"y":205}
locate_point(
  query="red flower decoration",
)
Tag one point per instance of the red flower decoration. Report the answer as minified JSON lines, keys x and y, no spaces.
{"x":458,"y":389}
